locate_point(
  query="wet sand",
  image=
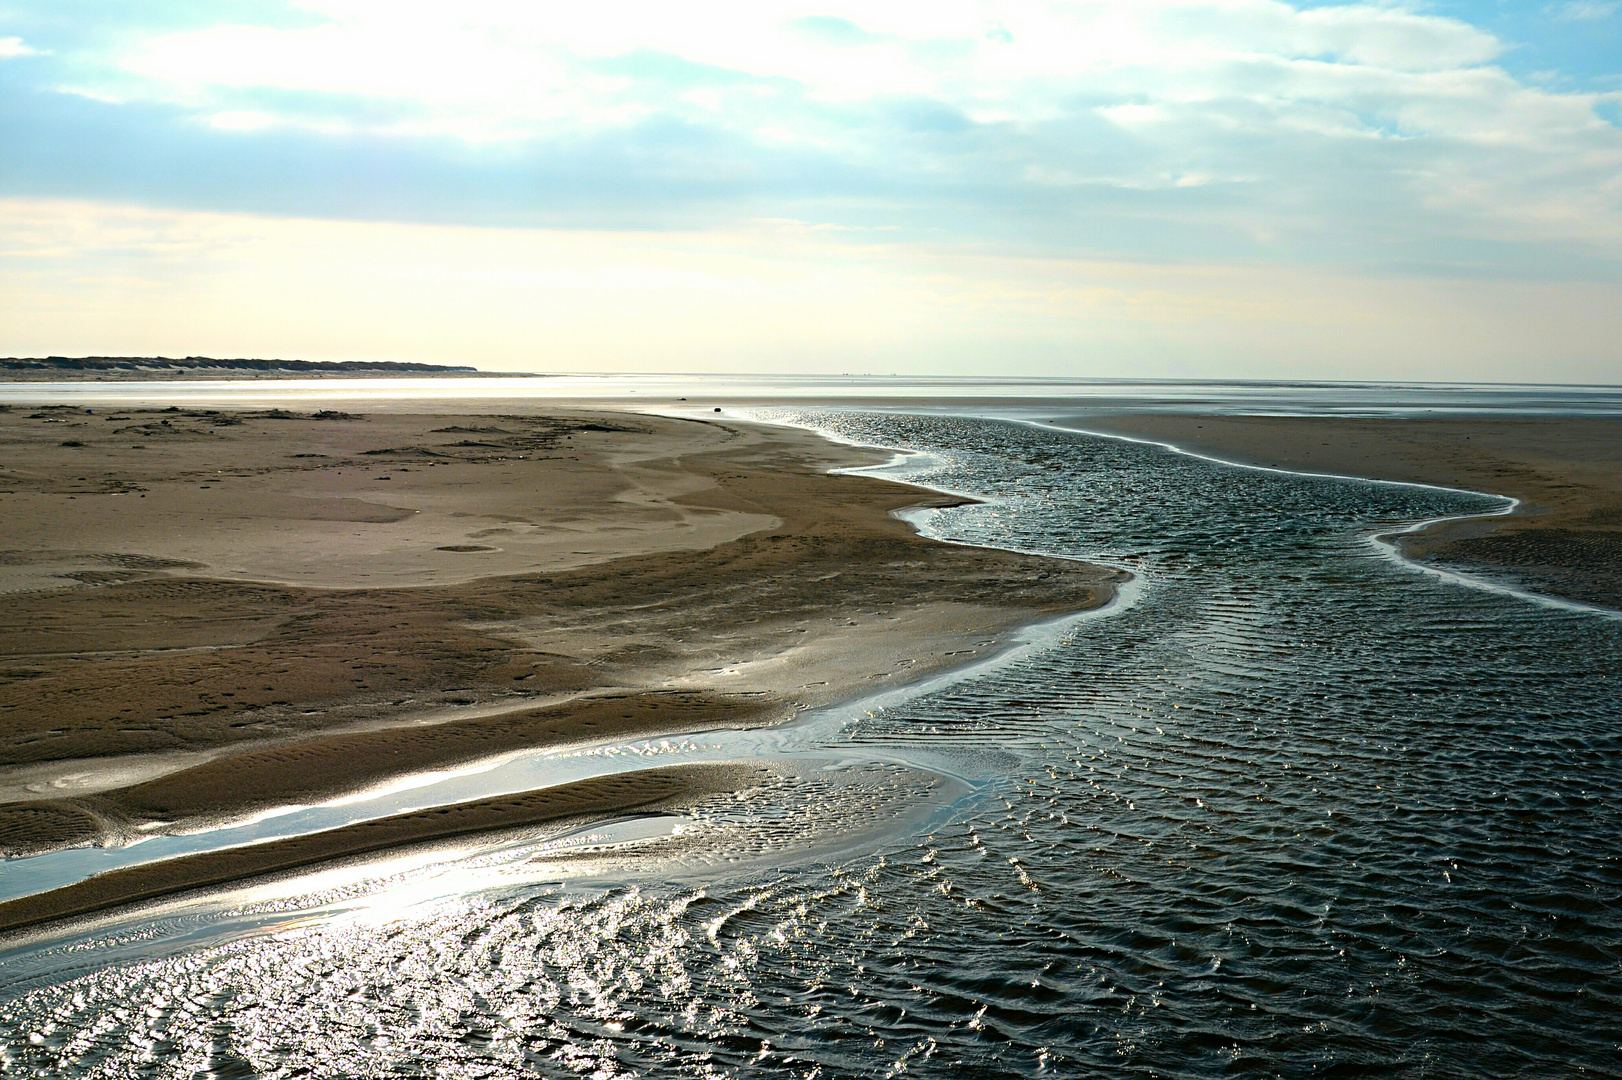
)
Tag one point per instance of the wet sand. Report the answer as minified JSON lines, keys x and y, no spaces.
{"x":209,"y":614}
{"x":1565,"y":539}
{"x":645,"y":792}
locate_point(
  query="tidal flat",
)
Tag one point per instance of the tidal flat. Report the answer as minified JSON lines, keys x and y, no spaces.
{"x":212,"y":614}
{"x":1283,"y":802}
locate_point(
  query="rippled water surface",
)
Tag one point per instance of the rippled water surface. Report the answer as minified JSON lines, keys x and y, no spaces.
{"x":1291,"y":809}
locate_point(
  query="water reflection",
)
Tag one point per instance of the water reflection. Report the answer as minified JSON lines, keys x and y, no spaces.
{"x":1037,"y":395}
{"x":1296,"y":809}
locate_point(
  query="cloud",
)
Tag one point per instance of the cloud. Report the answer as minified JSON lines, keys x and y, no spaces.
{"x":836,"y":30}
{"x":13,"y":47}
{"x":1361,"y":134}
{"x":1585,"y":10}
{"x":1011,"y":60}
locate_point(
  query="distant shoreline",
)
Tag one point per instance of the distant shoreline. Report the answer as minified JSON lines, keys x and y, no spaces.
{"x":119,"y":368}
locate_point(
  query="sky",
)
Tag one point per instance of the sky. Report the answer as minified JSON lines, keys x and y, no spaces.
{"x":1160,"y":188}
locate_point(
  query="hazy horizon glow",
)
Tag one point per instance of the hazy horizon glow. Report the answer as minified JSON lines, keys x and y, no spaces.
{"x":1235,"y":188}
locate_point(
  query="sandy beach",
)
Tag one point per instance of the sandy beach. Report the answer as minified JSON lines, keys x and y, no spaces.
{"x":210,"y":614}
{"x":1565,"y":539}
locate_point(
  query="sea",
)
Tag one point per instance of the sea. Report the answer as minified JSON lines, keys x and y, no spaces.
{"x":1289,"y":806}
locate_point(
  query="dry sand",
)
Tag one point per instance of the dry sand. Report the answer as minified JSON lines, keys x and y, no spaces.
{"x":1565,"y":539}
{"x":212,"y":613}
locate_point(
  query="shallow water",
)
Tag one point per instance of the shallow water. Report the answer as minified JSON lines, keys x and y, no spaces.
{"x":1295,"y":808}
{"x":1037,"y":394}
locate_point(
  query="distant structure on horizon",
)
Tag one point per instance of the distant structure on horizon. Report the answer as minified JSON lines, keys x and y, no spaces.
{"x":125,"y":366}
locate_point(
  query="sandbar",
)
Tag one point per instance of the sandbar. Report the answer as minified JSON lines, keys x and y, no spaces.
{"x":644,"y":792}
{"x":214,"y":612}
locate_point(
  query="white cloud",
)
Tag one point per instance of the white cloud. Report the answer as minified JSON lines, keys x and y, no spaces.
{"x":13,"y":46}
{"x":1585,"y":10}
{"x":1371,"y":122}
{"x":533,"y":64}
